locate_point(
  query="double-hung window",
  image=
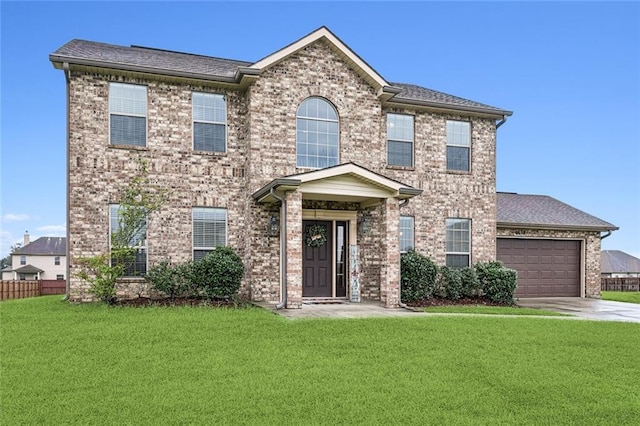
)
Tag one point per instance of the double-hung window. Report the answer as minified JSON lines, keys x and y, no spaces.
{"x":209,"y":230}
{"x":209,"y":122}
{"x":406,"y":234}
{"x":127,"y":114}
{"x":458,"y":243}
{"x":128,"y":236}
{"x":400,"y":140}
{"x":317,"y":134}
{"x":23,"y":260}
{"x":56,"y":260}
{"x":458,"y":145}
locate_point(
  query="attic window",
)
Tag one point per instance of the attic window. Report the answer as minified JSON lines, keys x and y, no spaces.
{"x":317,"y":136}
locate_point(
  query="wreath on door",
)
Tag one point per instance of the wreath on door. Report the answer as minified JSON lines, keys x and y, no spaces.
{"x":316,"y":236}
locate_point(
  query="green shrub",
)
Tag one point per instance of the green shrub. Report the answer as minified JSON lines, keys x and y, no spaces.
{"x":101,"y":276}
{"x":218,"y":274}
{"x":449,"y":283}
{"x":497,"y":282}
{"x":418,"y":276}
{"x":169,"y":279}
{"x":470,"y":282}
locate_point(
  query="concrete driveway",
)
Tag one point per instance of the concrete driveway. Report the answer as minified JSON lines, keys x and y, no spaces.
{"x":593,"y":309}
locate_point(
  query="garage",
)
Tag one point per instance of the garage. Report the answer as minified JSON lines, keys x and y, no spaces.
{"x":546,"y":268}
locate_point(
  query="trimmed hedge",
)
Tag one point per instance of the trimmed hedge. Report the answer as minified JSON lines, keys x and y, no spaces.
{"x":418,"y":276}
{"x":422,"y":279}
{"x":218,"y":275}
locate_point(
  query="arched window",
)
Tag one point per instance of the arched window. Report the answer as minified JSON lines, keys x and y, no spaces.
{"x":317,"y":138}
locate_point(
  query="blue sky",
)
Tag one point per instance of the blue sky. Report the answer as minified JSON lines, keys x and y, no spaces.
{"x":569,"y":71}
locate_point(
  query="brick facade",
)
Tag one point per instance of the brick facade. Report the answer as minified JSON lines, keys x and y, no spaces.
{"x":261,"y":146}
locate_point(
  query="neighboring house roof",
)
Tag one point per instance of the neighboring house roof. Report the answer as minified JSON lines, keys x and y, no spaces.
{"x":44,"y":246}
{"x":544,"y":212}
{"x":612,"y":261}
{"x":7,"y":269}
{"x":187,"y":65}
{"x":28,"y":269}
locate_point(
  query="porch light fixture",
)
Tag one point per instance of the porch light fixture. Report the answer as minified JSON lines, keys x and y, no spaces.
{"x":273,"y":228}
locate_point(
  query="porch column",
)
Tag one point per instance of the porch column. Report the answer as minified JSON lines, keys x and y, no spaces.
{"x":294,"y":249}
{"x":390,"y":244}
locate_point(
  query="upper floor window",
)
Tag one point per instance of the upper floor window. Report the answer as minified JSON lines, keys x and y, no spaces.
{"x":406,"y":234}
{"x":128,"y":114}
{"x":23,"y":260}
{"x":400,"y":140}
{"x":128,"y":232}
{"x":458,"y":145}
{"x":317,"y":137}
{"x":209,"y":122}
{"x":209,"y":230}
{"x":458,"y":243}
{"x":56,"y":260}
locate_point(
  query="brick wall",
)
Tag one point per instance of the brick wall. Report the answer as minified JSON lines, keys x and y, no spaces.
{"x":261,"y":147}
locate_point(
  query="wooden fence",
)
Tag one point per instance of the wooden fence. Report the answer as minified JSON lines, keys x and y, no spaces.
{"x":620,"y":284}
{"x":22,"y":289}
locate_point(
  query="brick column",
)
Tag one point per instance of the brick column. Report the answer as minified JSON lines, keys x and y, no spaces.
{"x":294,"y":250}
{"x":390,"y":245}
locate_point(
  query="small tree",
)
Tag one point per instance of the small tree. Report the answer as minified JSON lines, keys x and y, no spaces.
{"x":138,"y":200}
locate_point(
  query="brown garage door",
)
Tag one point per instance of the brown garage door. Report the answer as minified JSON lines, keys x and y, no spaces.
{"x":545,"y":267}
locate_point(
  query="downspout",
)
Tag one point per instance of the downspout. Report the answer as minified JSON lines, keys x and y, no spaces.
{"x":602,"y":237}
{"x":283,"y":249}
{"x":67,"y":77}
{"x":501,"y":122}
{"x":402,"y":305}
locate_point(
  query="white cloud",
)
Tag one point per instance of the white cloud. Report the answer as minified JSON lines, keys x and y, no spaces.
{"x":15,"y":217}
{"x":53,"y":230}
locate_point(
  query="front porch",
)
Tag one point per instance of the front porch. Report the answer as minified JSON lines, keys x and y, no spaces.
{"x":321,"y":249}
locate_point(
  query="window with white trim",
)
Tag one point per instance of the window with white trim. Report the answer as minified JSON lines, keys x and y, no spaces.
{"x":209,"y":122}
{"x":458,"y":145}
{"x":317,"y":134}
{"x":136,"y":234}
{"x":23,"y":260}
{"x":127,"y":114}
{"x":458,"y":242}
{"x":56,"y":260}
{"x":406,"y":234}
{"x":209,"y":230}
{"x":60,"y":277}
{"x":400,"y":140}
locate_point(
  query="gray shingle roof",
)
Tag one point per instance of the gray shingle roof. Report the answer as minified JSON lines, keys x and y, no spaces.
{"x":52,"y":246}
{"x":28,"y":269}
{"x":612,"y":261}
{"x":544,"y":211}
{"x":411,"y":92}
{"x":154,"y":59}
{"x":168,"y":62}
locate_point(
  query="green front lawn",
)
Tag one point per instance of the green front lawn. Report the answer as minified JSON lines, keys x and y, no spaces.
{"x":621,"y":296}
{"x":91,"y":364}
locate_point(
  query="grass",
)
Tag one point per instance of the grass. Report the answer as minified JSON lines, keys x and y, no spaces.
{"x":621,"y":296}
{"x":91,"y":364}
{"x":492,"y":310}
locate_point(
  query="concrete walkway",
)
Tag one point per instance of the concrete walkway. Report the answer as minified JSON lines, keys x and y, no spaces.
{"x":594,"y":309}
{"x":580,"y":308}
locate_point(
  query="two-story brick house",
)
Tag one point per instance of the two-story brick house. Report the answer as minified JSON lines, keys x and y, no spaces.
{"x":311,"y":165}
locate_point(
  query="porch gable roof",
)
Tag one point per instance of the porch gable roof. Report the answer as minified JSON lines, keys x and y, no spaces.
{"x":347,"y":182}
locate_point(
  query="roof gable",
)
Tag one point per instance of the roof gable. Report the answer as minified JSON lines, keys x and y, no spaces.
{"x":344,"y":51}
{"x":344,"y":182}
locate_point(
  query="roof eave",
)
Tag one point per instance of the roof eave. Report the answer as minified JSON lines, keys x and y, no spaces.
{"x":58,"y":60}
{"x":264,"y":193}
{"x":497,"y":113}
{"x":538,"y":226}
